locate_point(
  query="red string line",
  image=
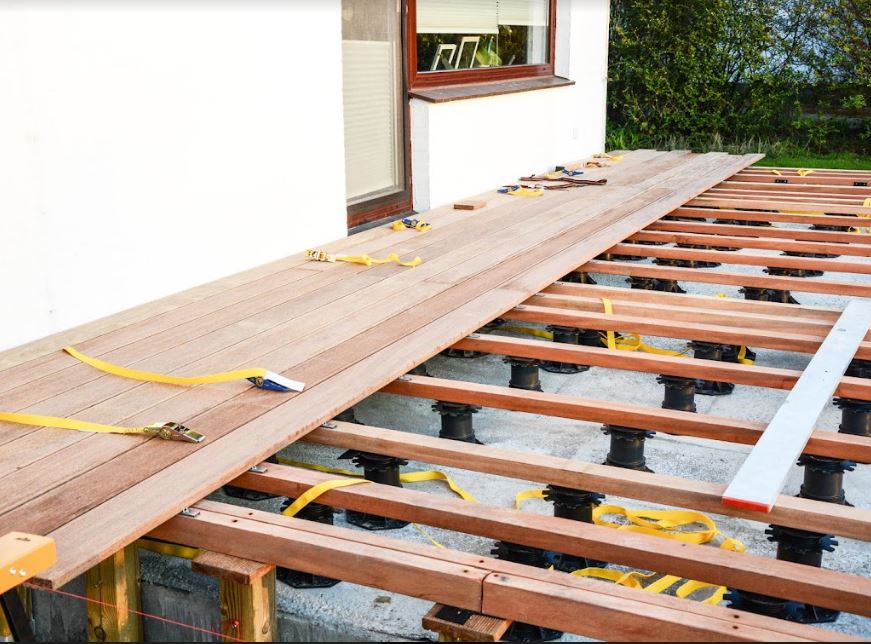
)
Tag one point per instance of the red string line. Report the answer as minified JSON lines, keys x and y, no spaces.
{"x":166,"y":620}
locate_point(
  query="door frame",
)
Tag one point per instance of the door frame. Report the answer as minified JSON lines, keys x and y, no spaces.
{"x":398,"y":202}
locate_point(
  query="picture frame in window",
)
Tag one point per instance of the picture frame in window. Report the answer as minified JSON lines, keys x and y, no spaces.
{"x":467,"y":40}
{"x":443,"y":49}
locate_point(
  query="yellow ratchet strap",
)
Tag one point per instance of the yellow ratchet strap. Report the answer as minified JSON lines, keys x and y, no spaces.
{"x":318,"y":468}
{"x":258,"y":377}
{"x":527,"y":330}
{"x":616,"y":158}
{"x":632,"y":341}
{"x":392,"y":258}
{"x":658,"y":523}
{"x":526,"y":495}
{"x":777,"y":172}
{"x":742,"y":353}
{"x":411,"y":224}
{"x":167,"y":548}
{"x":407,"y":477}
{"x":167,"y":431}
{"x":862,"y":229}
{"x":667,"y":524}
{"x":523,"y":191}
{"x":803,"y":173}
{"x":435,"y":475}
{"x":315,"y":491}
{"x":633,"y":580}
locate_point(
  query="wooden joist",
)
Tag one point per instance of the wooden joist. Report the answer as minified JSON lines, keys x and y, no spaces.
{"x":467,"y":581}
{"x":643,"y":486}
{"x":679,"y":423}
{"x":683,"y":300}
{"x":773,"y":238}
{"x":724,"y":257}
{"x":822,"y":205}
{"x":625,"y":304}
{"x":683,"y":366}
{"x":704,"y":563}
{"x":766,"y":216}
{"x":803,"y":342}
{"x":712,"y":276}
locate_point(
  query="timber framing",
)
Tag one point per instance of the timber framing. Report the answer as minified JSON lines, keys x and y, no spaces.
{"x":350,"y":331}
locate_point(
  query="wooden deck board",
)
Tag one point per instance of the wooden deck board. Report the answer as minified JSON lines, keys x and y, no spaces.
{"x":351,"y":332}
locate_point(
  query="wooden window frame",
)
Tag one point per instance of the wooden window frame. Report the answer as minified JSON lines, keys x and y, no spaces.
{"x":418,"y":80}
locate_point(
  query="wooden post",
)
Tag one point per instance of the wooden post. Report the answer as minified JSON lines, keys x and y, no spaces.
{"x":247,"y":595}
{"x":114,"y":583}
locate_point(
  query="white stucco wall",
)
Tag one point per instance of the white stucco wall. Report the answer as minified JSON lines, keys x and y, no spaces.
{"x":146,"y":147}
{"x":468,"y":146}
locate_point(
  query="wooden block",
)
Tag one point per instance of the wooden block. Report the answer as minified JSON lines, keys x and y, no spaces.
{"x":469,"y":205}
{"x":456,"y":625}
{"x":229,"y":568}
{"x":113,"y":588}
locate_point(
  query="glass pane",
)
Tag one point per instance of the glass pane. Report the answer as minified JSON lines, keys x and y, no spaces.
{"x":374,"y":114}
{"x":470,"y":34}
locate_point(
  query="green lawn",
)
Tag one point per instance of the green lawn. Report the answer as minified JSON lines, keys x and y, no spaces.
{"x":801,"y":159}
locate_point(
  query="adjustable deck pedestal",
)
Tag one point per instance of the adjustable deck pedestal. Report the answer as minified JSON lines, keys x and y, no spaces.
{"x":627,"y":447}
{"x":378,"y":469}
{"x":577,"y":505}
{"x":457,"y":421}
{"x":297,"y":578}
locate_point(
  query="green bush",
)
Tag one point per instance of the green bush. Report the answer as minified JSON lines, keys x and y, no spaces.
{"x":700,"y":72}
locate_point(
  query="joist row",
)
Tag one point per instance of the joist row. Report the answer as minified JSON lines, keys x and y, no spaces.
{"x":762,"y":324}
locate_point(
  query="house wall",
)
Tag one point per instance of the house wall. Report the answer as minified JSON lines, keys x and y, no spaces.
{"x":146,"y":147}
{"x":467,"y":146}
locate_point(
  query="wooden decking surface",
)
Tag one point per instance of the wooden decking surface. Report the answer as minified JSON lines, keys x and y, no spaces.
{"x":344,"y":329}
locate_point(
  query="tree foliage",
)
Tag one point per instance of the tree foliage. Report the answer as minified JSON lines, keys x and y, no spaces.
{"x":738,"y":69}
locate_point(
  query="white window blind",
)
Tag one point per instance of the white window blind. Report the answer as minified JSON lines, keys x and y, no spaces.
{"x":370,"y":117}
{"x":457,"y":17}
{"x":524,"y":13}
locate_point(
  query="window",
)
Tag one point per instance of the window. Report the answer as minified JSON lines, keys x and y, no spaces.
{"x":466,"y":41}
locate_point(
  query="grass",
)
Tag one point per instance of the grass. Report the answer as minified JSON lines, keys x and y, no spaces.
{"x":777,"y":153}
{"x":805,"y":159}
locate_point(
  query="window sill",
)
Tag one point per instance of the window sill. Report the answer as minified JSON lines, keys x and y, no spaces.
{"x":448,"y":93}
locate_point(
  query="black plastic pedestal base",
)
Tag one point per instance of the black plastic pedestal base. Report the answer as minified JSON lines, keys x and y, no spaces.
{"x":780,"y":608}
{"x":564,"y":335}
{"x":297,"y":578}
{"x":679,"y":393}
{"x":627,"y":447}
{"x":519,"y":631}
{"x":456,"y":421}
